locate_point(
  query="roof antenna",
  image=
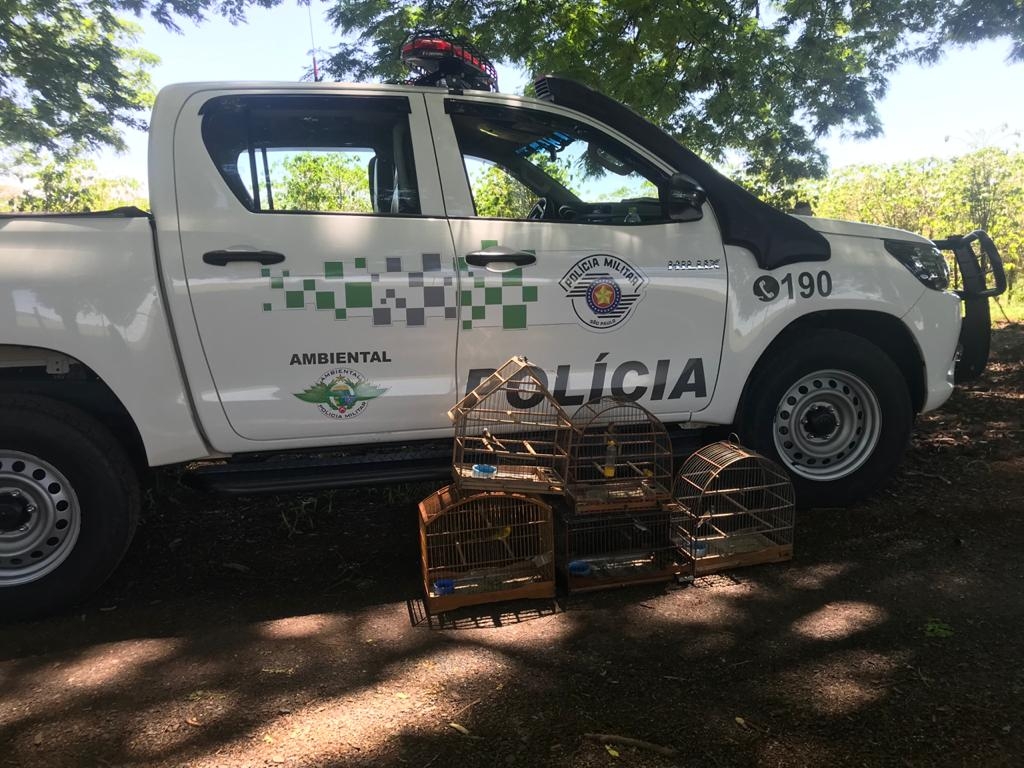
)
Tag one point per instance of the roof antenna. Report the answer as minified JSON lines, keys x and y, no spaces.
{"x":312,"y":42}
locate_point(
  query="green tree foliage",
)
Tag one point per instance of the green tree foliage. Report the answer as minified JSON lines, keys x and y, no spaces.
{"x":644,"y":189}
{"x":66,"y":184}
{"x":907,"y":195}
{"x":966,"y":21}
{"x":169,"y":12}
{"x":497,"y":195}
{"x":322,"y":182}
{"x":764,"y":78}
{"x":980,"y":190}
{"x":71,"y":72}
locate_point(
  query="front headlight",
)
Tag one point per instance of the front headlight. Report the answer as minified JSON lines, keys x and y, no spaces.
{"x":924,"y":261}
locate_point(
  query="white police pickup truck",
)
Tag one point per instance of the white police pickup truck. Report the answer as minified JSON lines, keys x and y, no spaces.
{"x":250,"y":320}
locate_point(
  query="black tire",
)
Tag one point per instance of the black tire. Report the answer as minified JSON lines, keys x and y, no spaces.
{"x":62,"y":443}
{"x":825,"y":363}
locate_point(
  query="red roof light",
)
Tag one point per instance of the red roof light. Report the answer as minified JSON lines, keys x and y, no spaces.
{"x":436,"y":57}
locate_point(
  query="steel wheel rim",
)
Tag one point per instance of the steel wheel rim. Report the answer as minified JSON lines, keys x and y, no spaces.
{"x":41,"y":518}
{"x":827,"y":425}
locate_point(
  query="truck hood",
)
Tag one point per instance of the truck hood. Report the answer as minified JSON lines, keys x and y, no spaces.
{"x":855,"y":229}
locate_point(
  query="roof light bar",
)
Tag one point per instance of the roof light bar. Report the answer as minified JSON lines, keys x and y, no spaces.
{"x":438,"y":58}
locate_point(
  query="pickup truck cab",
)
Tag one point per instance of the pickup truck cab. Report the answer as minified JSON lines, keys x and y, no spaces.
{"x":333,"y":266}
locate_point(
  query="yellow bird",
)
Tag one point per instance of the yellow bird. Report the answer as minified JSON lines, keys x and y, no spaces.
{"x":498,"y":533}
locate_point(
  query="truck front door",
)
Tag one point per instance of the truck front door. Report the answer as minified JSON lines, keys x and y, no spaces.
{"x":565,"y":256}
{"x":319,"y":265}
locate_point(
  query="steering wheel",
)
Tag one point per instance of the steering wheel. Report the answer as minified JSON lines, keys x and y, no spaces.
{"x":539,"y":210}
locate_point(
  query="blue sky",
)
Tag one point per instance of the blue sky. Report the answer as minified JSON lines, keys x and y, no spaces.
{"x":972,"y":97}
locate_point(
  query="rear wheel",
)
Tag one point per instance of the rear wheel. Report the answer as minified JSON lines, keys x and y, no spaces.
{"x":69,"y":501}
{"x":833,"y":409}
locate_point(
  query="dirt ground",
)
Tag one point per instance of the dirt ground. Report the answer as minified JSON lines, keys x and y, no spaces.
{"x":276,"y":631}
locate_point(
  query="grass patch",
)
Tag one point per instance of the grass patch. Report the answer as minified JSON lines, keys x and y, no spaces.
{"x":1014,"y":312}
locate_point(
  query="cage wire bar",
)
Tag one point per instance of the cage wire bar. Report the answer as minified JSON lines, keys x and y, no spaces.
{"x":741,"y":506}
{"x":511,"y":434}
{"x":614,"y":550}
{"x":620,"y":458}
{"x":485,"y":547}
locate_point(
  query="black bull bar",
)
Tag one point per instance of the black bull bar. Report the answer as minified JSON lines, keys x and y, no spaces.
{"x":975,"y":268}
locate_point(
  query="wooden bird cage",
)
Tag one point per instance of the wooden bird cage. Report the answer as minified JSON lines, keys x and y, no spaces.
{"x":620,"y":458}
{"x":485,"y":548}
{"x":614,"y":550}
{"x":511,"y":434}
{"x":741,"y":506}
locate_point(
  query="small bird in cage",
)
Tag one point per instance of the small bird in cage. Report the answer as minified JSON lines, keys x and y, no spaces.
{"x":497,"y":533}
{"x":611,"y":457}
{"x":490,"y":442}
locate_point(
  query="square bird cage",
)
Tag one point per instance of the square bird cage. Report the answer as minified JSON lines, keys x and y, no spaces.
{"x":511,"y":434}
{"x":614,"y":550}
{"x":741,"y":507}
{"x":620,"y":458}
{"x":485,"y":548}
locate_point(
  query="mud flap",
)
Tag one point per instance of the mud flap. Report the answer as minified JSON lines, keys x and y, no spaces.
{"x":975,"y":331}
{"x":975,"y":339}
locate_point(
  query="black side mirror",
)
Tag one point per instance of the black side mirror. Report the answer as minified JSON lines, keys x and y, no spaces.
{"x":683,"y":199}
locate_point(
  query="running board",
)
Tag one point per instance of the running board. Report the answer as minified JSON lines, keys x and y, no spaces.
{"x":251,"y":475}
{"x":292,"y":473}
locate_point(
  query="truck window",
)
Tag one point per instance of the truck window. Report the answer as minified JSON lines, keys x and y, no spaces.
{"x":496,"y":193}
{"x":306,"y":154}
{"x":514,"y":157}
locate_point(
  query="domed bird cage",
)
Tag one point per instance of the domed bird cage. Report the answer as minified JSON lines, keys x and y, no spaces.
{"x":511,"y":434}
{"x":620,"y":458}
{"x":741,"y":507}
{"x":485,"y":548}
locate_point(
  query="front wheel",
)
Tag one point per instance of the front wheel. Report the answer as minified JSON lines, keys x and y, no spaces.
{"x":69,"y":501}
{"x":835,"y":410}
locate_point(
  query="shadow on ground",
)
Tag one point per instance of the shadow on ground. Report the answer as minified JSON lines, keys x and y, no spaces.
{"x":275,"y":631}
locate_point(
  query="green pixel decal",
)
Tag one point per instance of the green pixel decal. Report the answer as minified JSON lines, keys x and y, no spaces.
{"x":491,"y":300}
{"x":392,"y":296}
{"x":396,"y":295}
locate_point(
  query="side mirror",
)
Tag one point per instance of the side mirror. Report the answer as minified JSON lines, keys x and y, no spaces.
{"x":683,"y":199}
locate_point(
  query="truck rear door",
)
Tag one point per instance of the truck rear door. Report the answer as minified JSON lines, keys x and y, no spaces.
{"x":318,"y":263}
